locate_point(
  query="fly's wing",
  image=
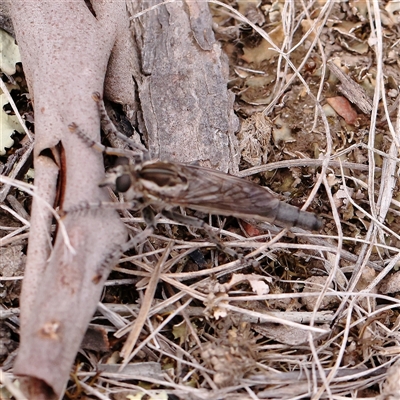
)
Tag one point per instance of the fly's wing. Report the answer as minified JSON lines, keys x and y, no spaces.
{"x":215,"y":192}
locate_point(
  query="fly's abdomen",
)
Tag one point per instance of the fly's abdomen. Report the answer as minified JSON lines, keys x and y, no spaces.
{"x":288,"y":216}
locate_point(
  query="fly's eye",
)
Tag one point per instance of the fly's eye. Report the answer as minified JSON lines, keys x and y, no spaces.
{"x":123,"y":183}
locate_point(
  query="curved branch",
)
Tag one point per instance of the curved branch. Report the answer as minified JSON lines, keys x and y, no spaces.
{"x":65,"y":51}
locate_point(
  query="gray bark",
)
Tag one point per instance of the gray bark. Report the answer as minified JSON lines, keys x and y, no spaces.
{"x":186,"y":111}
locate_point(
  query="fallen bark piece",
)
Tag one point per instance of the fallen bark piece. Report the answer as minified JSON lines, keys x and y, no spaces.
{"x":186,"y":109}
{"x":352,"y":90}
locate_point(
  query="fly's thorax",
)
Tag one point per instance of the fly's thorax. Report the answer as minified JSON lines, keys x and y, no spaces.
{"x":163,"y":179}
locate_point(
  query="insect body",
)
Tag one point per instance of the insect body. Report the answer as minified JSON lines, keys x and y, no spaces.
{"x":173,"y":184}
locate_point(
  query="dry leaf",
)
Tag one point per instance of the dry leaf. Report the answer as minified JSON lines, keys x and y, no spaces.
{"x":254,"y":139}
{"x":343,"y":107}
{"x":315,"y":284}
{"x":287,"y":334}
{"x":265,"y":50}
{"x":250,"y":229}
{"x":391,"y":387}
{"x":282,"y":132}
{"x":391,"y":284}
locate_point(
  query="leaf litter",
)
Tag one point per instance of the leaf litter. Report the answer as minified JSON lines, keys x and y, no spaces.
{"x":318,"y":314}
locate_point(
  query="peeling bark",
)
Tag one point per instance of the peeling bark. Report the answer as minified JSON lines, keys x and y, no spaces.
{"x":181,"y":73}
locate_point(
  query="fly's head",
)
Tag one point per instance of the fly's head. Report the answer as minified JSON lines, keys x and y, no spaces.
{"x":154,"y":180}
{"x":123,"y":178}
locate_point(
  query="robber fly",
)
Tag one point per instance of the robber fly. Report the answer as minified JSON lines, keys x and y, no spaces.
{"x":165,"y":185}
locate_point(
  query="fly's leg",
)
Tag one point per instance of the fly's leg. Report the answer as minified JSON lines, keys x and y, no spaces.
{"x":85,"y":206}
{"x":110,"y":129}
{"x":151,"y":221}
{"x":115,"y":255}
{"x":74,"y":128}
{"x":138,"y":152}
{"x":198,"y":223}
